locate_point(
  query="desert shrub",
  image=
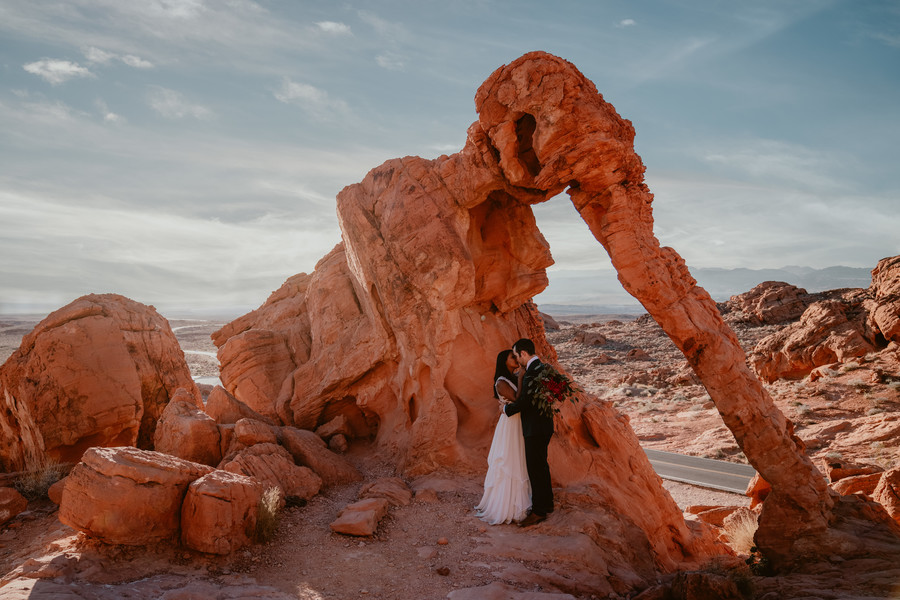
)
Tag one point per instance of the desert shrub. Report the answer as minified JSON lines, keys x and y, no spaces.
{"x":267,"y":515}
{"x":34,"y":483}
{"x":874,"y":411}
{"x":859,"y":385}
{"x":740,"y":532}
{"x":850,"y":366}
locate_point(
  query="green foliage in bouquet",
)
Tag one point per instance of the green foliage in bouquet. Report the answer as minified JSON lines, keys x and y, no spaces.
{"x":549,"y":388}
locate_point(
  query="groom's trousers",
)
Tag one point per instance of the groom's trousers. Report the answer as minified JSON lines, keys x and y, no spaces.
{"x":539,"y":473}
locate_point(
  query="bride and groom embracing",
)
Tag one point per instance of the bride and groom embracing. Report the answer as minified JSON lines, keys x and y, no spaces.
{"x":518,"y":476}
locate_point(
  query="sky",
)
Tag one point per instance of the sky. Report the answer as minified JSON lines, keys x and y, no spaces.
{"x":187,"y":153}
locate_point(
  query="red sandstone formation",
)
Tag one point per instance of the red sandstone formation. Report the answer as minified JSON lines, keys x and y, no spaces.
{"x":830,"y":331}
{"x":433,"y":277}
{"x":11,"y":504}
{"x":226,"y":409}
{"x":219,"y":512}
{"x":835,"y":327}
{"x":128,"y":496}
{"x":309,"y":450}
{"x":187,"y":432}
{"x":273,"y":466}
{"x":97,"y":372}
{"x":887,"y":493}
{"x":397,"y":329}
{"x":885,"y":289}
{"x":770,"y":302}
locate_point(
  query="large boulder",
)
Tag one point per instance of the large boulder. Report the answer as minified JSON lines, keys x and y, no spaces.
{"x":97,"y":372}
{"x":885,"y":289}
{"x":271,"y":465}
{"x":829,"y":331}
{"x":308,"y":449}
{"x":769,"y":302}
{"x":228,"y":410}
{"x":187,"y":432}
{"x":11,"y":504}
{"x":887,"y":493}
{"x":219,"y":512}
{"x":249,"y":432}
{"x":128,"y":496}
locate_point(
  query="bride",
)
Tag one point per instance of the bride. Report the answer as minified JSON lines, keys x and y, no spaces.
{"x":507,"y":490}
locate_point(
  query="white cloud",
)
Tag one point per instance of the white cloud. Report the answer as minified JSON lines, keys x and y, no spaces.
{"x":774,"y":160}
{"x":334,"y":27}
{"x":108,"y":115}
{"x":626,"y":23}
{"x":173,"y":105}
{"x":148,"y":254}
{"x":178,"y":9}
{"x":390,"y":61}
{"x":136,"y":62}
{"x":390,"y":31}
{"x":104,"y":57}
{"x":57,"y":71}
{"x":98,"y":56}
{"x":308,"y":97}
{"x":892,"y":40}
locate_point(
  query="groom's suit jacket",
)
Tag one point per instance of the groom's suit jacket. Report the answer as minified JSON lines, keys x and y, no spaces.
{"x":533,"y":422}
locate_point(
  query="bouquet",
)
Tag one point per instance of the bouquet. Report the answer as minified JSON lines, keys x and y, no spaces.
{"x":549,"y":388}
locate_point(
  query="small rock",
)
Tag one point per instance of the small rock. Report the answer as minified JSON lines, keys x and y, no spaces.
{"x":442,"y":571}
{"x":443,"y":541}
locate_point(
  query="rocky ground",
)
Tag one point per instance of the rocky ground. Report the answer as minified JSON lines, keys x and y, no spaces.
{"x":851,"y":413}
{"x":434,"y":546}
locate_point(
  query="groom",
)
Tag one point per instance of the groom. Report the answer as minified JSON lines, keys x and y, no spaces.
{"x":537,"y":430}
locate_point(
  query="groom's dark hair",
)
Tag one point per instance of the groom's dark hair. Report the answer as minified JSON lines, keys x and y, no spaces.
{"x":524,"y":345}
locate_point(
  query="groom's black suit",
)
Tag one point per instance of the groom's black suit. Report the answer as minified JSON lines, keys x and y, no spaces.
{"x":537,"y":430}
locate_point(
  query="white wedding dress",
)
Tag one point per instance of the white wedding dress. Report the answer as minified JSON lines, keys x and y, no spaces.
{"x":507,"y":491}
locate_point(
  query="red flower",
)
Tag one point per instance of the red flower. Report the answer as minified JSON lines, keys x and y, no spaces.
{"x":550,"y":387}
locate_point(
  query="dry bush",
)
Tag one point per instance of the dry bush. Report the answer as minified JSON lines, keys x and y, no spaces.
{"x":33,"y":484}
{"x":267,"y":515}
{"x":740,"y":531}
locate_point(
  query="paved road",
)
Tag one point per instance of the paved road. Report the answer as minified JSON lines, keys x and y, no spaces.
{"x":705,"y":472}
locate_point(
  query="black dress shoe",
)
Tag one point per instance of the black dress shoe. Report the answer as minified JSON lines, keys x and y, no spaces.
{"x":532,"y":519}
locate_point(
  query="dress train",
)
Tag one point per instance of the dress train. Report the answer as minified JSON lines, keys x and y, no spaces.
{"x":507,"y":490}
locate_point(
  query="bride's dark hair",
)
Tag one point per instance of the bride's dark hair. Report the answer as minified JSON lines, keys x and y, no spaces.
{"x":502,"y":370}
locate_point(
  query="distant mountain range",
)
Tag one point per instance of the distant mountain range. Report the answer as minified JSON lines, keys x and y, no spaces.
{"x":599,"y":292}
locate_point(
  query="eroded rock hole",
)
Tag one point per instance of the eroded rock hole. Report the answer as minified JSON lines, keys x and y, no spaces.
{"x":525,"y":127}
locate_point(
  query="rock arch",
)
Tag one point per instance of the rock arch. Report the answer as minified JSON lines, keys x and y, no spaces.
{"x":438,"y":263}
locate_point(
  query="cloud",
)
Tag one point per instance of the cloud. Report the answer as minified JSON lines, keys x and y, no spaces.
{"x":887,"y":38}
{"x":57,"y":71}
{"x":387,"y":29}
{"x":390,"y":61}
{"x":170,"y":259}
{"x":172,"y":105}
{"x":136,"y":62}
{"x":98,"y":56}
{"x":308,"y":97}
{"x":775,"y":160}
{"x":626,"y":23}
{"x":334,"y":27}
{"x":103,"y":57}
{"x":108,"y":115}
